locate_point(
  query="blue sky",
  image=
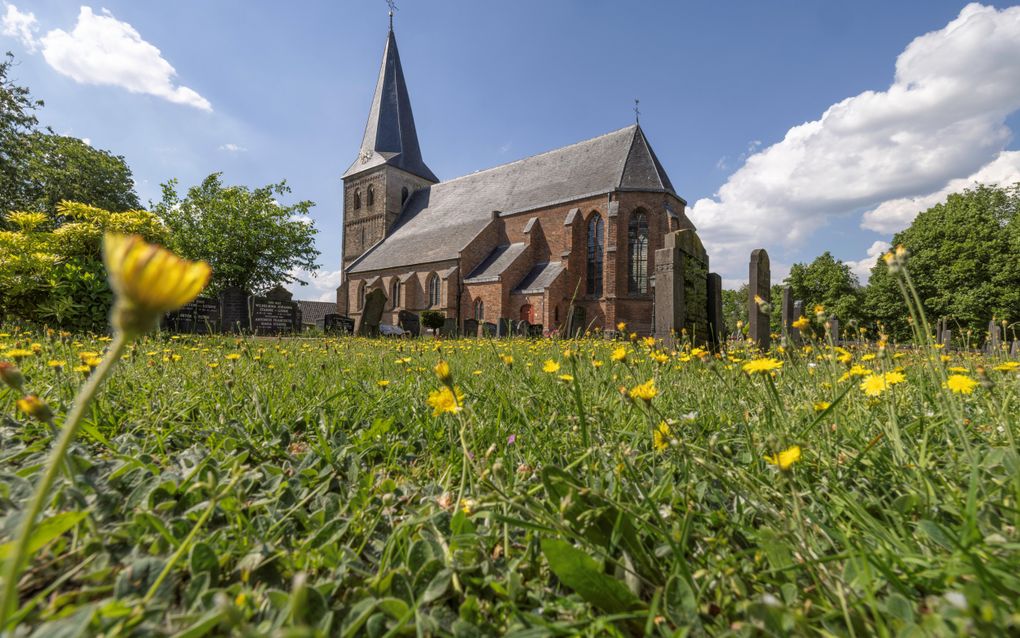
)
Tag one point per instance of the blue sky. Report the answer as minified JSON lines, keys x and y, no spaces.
{"x":798,"y":127}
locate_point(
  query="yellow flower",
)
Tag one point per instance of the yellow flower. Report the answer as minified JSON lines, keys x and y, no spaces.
{"x":214,"y":365}
{"x":868,"y":357}
{"x":382,"y":383}
{"x":148,"y":281}
{"x":596,"y":363}
{"x":92,"y":362}
{"x":819,"y":309}
{"x":786,"y":458}
{"x":961,"y":384}
{"x":821,"y":406}
{"x":956,"y":369}
{"x":233,"y":356}
{"x":53,"y":363}
{"x":762,"y":365}
{"x":659,"y":357}
{"x":506,"y":359}
{"x":621,"y":326}
{"x":83,"y":369}
{"x":1009,"y":366}
{"x":446,"y":400}
{"x":874,"y":385}
{"x":566,"y":377}
{"x":619,"y":354}
{"x":894,"y":377}
{"x":855,"y":371}
{"x":35,"y":407}
{"x":18,"y":354}
{"x":660,"y":437}
{"x":649,"y":342}
{"x":443,"y":372}
{"x":550,"y":366}
{"x":645,"y":391}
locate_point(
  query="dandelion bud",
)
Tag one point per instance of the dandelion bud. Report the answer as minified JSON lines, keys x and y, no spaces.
{"x":444,"y":373}
{"x":36,"y":408}
{"x":11,"y":375}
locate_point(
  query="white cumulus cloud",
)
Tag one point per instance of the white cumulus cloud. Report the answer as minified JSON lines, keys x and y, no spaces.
{"x":21,"y":26}
{"x":941,"y":119}
{"x":862,"y":267}
{"x":233,"y":148}
{"x":321,"y":286}
{"x":106,"y":51}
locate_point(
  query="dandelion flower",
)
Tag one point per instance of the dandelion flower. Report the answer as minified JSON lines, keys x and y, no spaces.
{"x":785,"y":459}
{"x":762,"y":366}
{"x":443,"y":372}
{"x":645,"y":391}
{"x":961,"y":384}
{"x":233,"y":356}
{"x":382,"y":383}
{"x":660,"y":437}
{"x":1009,"y":366}
{"x":446,"y":400}
{"x":36,"y":408}
{"x":550,"y":366}
{"x":821,"y":406}
{"x":566,"y":377}
{"x":18,"y":353}
{"x":874,"y":385}
{"x":148,"y":281}
{"x":619,"y":354}
{"x":622,"y":327}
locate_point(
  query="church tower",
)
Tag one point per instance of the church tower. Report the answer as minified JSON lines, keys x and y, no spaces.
{"x":389,"y":167}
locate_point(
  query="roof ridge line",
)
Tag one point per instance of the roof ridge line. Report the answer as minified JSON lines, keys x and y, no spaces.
{"x":524,"y":159}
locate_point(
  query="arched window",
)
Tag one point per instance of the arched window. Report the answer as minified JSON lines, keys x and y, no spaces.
{"x":395,"y":293}
{"x":596,"y":231}
{"x":434,"y":287}
{"x":361,"y":296}
{"x":479,"y":310}
{"x":371,"y":195}
{"x":637,"y":243}
{"x":403,"y":195}
{"x":357,"y":198}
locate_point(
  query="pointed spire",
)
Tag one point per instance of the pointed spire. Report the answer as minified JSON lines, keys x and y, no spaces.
{"x":390,"y":136}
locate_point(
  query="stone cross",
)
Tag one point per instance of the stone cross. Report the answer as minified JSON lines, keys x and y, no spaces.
{"x":759,"y":287}
{"x":371,"y":315}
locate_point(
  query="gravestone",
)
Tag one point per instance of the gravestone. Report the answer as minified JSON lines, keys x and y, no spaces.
{"x":535,"y":330}
{"x":488,"y":329}
{"x":713,"y":290}
{"x":834,"y":329}
{"x":273,"y":316}
{"x":234,"y":311}
{"x":577,"y":321}
{"x":947,"y":338}
{"x":681,"y":289}
{"x":371,"y":314}
{"x":994,"y":336}
{"x":1015,"y":348}
{"x":279,"y":293}
{"x":337,"y":324}
{"x":798,"y":309}
{"x":788,"y":316}
{"x":759,"y":286}
{"x":471,"y":328}
{"x":504,"y":327}
{"x":201,"y":316}
{"x":449,"y":328}
{"x":940,"y":327}
{"x":409,"y":322}
{"x":521,"y":328}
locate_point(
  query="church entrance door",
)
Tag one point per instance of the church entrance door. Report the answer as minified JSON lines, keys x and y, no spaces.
{"x":528,"y":313}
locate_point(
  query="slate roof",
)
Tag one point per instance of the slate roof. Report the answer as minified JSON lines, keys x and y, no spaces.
{"x":390,"y":136}
{"x":439,"y":221}
{"x":316,"y":311}
{"x":497,"y":261}
{"x":540,"y":277}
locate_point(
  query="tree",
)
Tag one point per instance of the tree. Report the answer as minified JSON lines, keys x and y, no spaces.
{"x":16,"y":124}
{"x":251,"y":240}
{"x":964,"y":261}
{"x":734,"y":304}
{"x":828,"y":282}
{"x":60,"y":168}
{"x":51,"y":268}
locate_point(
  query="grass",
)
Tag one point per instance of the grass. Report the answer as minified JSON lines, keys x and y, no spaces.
{"x":306,"y":487}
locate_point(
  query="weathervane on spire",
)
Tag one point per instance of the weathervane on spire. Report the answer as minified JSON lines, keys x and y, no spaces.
{"x":637,"y":111}
{"x":393,"y":7}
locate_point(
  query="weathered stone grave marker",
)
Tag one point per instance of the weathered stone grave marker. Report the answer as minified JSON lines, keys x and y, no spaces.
{"x":682,"y":300}
{"x":713,"y":289}
{"x":409,"y":322}
{"x":371,"y":314}
{"x":759,"y":287}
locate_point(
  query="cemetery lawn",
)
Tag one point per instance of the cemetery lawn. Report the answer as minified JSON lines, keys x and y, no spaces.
{"x":342,"y":487}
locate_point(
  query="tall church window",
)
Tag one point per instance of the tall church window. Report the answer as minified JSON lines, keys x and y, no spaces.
{"x":479,"y":310}
{"x":357,"y":199}
{"x":403,"y":195}
{"x":395,"y":293}
{"x":434,"y":286}
{"x":596,"y":230}
{"x":371,"y":195}
{"x":637,"y":243}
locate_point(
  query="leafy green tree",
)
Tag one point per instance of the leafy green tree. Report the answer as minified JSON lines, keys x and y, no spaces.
{"x":734,"y":303}
{"x":63,"y":168}
{"x":16,"y":124}
{"x":250,"y":239}
{"x":964,"y":261}
{"x":828,"y":282}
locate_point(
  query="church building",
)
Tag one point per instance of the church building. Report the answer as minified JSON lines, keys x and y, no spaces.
{"x":574,"y":229}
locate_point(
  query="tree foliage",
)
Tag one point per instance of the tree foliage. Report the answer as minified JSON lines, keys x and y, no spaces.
{"x":63,"y":168}
{"x":827,"y":282}
{"x":17,"y":121}
{"x":51,"y":267}
{"x":964,"y":261}
{"x":250,"y":239}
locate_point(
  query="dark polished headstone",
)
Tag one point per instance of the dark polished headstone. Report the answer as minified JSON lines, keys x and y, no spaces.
{"x":234,"y":311}
{"x":273,"y":317}
{"x":471,"y":328}
{"x":371,"y":314}
{"x":337,"y":324}
{"x":409,"y":322}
